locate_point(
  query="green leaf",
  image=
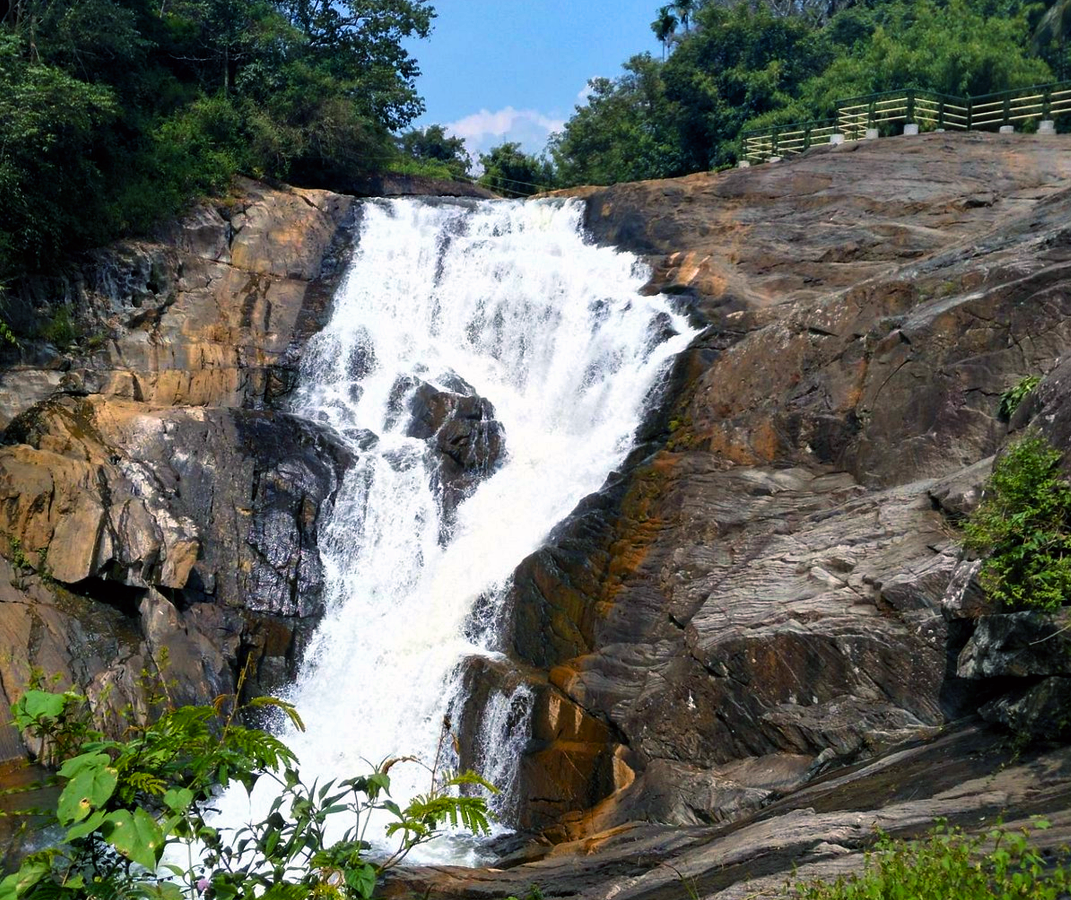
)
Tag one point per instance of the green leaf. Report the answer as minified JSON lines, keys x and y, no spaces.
{"x":35,"y":705}
{"x":88,"y":790}
{"x":288,"y":708}
{"x":86,"y":828}
{"x":165,"y":890}
{"x":82,"y":762}
{"x":136,"y":836}
{"x":362,"y":880}
{"x":178,"y":799}
{"x":32,"y":871}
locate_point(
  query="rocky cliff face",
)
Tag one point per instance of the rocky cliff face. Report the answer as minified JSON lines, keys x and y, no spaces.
{"x":773,"y":587}
{"x":158,"y":509}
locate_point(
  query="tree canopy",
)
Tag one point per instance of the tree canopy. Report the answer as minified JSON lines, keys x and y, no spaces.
{"x":732,"y":65}
{"x":116,"y":113}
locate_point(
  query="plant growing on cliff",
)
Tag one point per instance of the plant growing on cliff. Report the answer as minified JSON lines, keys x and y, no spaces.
{"x":946,"y":865}
{"x":124,"y":803}
{"x":1011,"y":399}
{"x":1023,"y":525}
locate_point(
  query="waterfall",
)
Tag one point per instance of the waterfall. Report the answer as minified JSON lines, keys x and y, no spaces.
{"x":503,"y":302}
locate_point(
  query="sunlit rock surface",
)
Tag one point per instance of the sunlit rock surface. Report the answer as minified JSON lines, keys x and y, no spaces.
{"x":772,"y":590}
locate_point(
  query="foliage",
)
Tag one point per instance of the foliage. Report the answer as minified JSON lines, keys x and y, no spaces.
{"x":432,"y":145}
{"x":946,"y":864}
{"x":1014,"y":396}
{"x":1023,"y":524}
{"x":746,"y":64}
{"x":117,"y":113}
{"x":624,"y":132}
{"x":510,"y":171}
{"x":126,"y":806}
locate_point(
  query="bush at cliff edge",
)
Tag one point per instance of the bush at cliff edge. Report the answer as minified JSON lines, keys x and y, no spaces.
{"x":1023,"y":525}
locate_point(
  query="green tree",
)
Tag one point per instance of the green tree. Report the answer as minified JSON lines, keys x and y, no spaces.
{"x":664,"y":27}
{"x":363,"y":43}
{"x":432,"y":144}
{"x":50,"y":182}
{"x":950,"y":47}
{"x":508,"y":170}
{"x":737,"y":64}
{"x":685,"y":10}
{"x":1023,"y":526}
{"x":625,"y":132}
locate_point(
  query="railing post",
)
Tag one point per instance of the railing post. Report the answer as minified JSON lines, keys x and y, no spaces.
{"x":1007,"y":109}
{"x":910,"y":107}
{"x":773,"y":143}
{"x":941,"y":113}
{"x":1046,"y":102}
{"x":871,"y":114}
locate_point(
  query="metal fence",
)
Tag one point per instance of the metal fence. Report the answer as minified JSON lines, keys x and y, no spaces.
{"x":874,"y":115}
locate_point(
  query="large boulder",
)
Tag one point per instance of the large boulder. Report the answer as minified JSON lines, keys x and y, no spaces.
{"x":200,"y":523}
{"x":467,"y":441}
{"x":157,"y":512}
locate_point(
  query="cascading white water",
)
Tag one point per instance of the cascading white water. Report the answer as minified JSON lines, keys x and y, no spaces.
{"x":554,"y":332}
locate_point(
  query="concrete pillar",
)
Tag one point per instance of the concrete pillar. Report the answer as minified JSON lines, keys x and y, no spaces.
{"x":911,"y":128}
{"x":1007,"y":129}
{"x":1046,"y":126}
{"x":743,"y":164}
{"x":774,"y":159}
{"x":940,"y":130}
{"x":836,"y":138}
{"x":872,"y":134}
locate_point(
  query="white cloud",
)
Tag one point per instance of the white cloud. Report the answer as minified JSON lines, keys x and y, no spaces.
{"x":585,"y":92}
{"x":483,"y":130}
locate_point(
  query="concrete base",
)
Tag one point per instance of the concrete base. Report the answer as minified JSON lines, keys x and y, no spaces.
{"x":911,"y":128}
{"x":743,"y":164}
{"x":940,"y":130}
{"x":836,"y":139}
{"x":872,"y":134}
{"x":774,"y":159}
{"x":1007,"y":129}
{"x":1046,"y":126}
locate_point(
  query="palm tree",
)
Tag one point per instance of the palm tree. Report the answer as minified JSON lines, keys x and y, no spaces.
{"x":664,"y":27}
{"x":684,"y":9}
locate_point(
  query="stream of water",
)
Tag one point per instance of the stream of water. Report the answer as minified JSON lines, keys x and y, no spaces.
{"x":510,"y":299}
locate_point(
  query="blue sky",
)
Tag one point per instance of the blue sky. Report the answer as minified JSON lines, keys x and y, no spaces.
{"x":513,"y":70}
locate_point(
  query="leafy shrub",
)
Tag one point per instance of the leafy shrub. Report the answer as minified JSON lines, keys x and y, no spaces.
{"x":946,"y":865}
{"x":1013,"y":396}
{"x":1024,"y":525}
{"x":124,"y":803}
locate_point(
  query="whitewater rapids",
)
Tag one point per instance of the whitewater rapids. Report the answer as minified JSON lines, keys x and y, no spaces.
{"x":511,"y":298}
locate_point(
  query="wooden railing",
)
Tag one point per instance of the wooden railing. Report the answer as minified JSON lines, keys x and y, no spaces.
{"x":876,"y":115}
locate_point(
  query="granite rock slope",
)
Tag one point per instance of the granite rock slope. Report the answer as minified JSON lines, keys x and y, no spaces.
{"x":773,"y":585}
{"x":159,"y":509}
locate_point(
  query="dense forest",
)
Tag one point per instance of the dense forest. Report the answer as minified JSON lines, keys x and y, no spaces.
{"x":117,"y":113}
{"x":733,"y":65}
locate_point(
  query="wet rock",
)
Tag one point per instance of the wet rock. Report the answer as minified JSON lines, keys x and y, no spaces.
{"x":206,"y":520}
{"x":1042,"y":710}
{"x":461,"y":429}
{"x":1018,"y":645}
{"x":821,"y":831}
{"x":212,"y":313}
